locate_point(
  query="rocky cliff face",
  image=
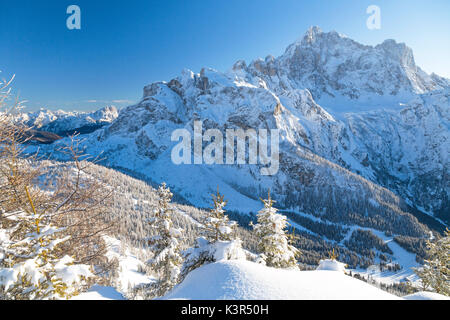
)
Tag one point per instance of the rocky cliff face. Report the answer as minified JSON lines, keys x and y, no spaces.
{"x":364,"y":133}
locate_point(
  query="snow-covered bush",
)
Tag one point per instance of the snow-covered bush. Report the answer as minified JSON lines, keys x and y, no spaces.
{"x":274,"y":246}
{"x":206,"y":252}
{"x":435,"y":274}
{"x":219,"y":243}
{"x":31,"y":266}
{"x":331,"y":265}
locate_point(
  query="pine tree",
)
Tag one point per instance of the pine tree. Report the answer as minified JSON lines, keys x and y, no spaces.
{"x":167,"y":260}
{"x":31,"y":266}
{"x":217,"y":225}
{"x":435,"y":274}
{"x":274,"y":245}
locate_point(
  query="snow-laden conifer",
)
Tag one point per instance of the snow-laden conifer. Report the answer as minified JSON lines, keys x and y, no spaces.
{"x":31,"y":265}
{"x":274,"y":244}
{"x":217,"y":225}
{"x":165,"y":244}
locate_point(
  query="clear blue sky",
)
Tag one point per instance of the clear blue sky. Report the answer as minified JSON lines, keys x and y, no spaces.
{"x":124,"y":45}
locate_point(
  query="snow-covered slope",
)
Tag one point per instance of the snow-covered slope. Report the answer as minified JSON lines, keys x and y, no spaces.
{"x":245,"y":280}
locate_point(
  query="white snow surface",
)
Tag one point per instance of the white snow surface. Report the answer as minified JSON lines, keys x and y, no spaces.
{"x":331,"y":265}
{"x":245,"y":280}
{"x":129,"y":275}
{"x":100,"y":293}
{"x":424,"y":295}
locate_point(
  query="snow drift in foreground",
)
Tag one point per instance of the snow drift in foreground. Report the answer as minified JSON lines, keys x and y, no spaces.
{"x":245,"y":280}
{"x":423,"y":295}
{"x":100,"y":293}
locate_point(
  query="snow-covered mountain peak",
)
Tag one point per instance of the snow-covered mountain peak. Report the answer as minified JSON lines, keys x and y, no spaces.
{"x":106,"y":114}
{"x":397,"y":51}
{"x":303,"y":93}
{"x":337,"y":70}
{"x":332,"y":66}
{"x":315,"y":35}
{"x":312,"y":33}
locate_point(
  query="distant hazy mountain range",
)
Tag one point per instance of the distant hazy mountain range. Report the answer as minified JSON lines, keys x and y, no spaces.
{"x":48,"y":126}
